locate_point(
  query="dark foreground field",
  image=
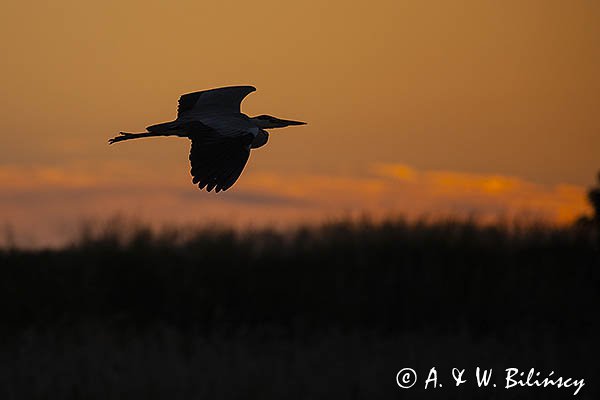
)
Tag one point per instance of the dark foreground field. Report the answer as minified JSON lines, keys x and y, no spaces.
{"x":320,"y":313}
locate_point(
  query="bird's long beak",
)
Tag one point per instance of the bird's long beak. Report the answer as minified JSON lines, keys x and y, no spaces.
{"x":288,"y":122}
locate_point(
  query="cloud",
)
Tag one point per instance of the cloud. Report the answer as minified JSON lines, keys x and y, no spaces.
{"x":489,"y":194}
{"x":44,"y":203}
{"x":398,"y":171}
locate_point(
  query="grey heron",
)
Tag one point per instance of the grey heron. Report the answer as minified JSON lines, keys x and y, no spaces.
{"x":222,"y":136}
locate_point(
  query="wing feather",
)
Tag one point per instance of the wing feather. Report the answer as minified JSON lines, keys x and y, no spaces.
{"x":226,"y":99}
{"x":218,"y":165}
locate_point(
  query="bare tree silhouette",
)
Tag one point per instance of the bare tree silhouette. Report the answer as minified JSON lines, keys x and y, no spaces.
{"x":594,"y":199}
{"x":592,"y":222}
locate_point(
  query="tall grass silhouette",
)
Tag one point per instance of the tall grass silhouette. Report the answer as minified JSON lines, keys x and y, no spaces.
{"x":323,"y":312}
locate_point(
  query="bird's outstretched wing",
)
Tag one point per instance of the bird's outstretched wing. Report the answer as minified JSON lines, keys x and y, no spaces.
{"x":217,"y":165}
{"x":225,"y":100}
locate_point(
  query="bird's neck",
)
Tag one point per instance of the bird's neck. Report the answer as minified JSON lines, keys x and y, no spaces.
{"x":260,"y":139}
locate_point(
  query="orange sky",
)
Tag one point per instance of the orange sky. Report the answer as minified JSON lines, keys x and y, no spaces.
{"x":420,"y":107}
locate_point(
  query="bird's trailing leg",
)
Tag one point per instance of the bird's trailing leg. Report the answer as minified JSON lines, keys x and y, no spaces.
{"x":126,"y":136}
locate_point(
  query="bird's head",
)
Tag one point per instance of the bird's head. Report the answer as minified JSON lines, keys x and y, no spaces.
{"x":269,"y":122}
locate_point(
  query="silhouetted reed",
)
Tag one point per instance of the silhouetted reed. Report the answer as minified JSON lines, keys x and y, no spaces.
{"x":316,"y":312}
{"x":344,"y":274}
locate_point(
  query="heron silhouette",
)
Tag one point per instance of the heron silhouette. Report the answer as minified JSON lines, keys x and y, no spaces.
{"x":222,"y":136}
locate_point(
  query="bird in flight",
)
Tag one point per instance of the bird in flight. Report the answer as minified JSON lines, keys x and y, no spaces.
{"x":222,"y":136}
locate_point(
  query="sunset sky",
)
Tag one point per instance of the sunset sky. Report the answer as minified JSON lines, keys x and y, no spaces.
{"x":433,"y":108}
